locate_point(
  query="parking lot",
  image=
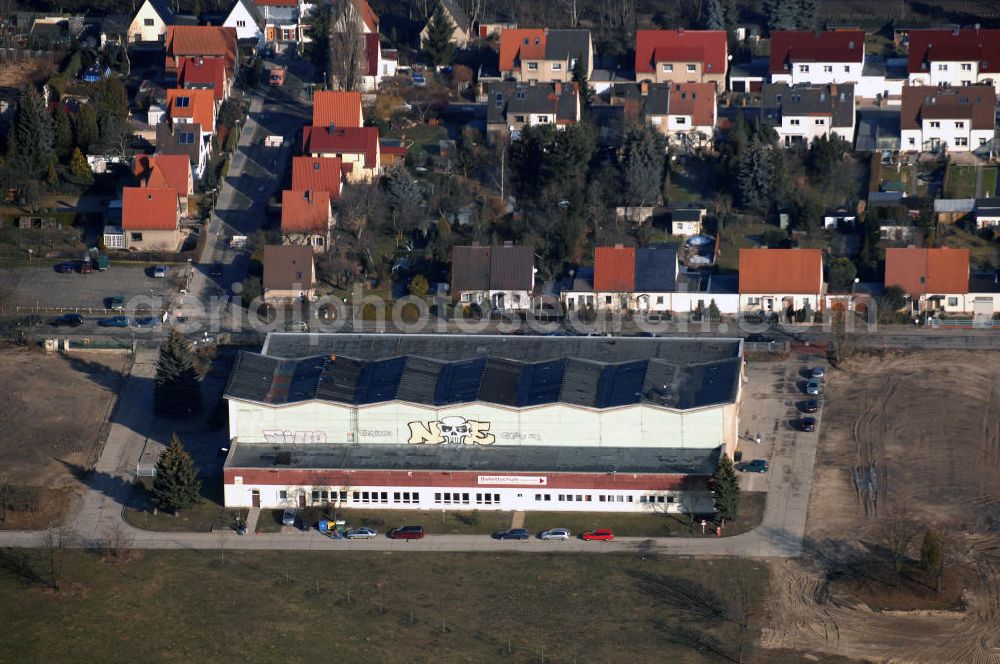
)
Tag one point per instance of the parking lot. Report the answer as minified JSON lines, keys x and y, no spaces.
{"x":42,"y":287}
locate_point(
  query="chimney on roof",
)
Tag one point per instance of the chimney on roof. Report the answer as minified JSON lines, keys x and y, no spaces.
{"x":557,"y":86}
{"x":850,"y":45}
{"x":644,"y":88}
{"x":833,"y":90}
{"x":955,"y":31}
{"x":332,"y":127}
{"x":680,"y":31}
{"x":619,"y":246}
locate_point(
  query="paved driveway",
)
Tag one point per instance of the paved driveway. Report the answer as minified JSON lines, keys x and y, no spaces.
{"x":41,"y":286}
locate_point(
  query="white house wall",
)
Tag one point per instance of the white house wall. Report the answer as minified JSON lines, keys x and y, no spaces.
{"x":556,"y":425}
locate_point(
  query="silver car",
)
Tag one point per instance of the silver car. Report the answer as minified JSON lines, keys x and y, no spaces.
{"x":555,"y":534}
{"x":288,"y":518}
{"x":814,"y":388}
{"x":361,"y":533}
{"x":818,"y":373}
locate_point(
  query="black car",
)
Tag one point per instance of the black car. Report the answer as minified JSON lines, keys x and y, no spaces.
{"x":759,"y":339}
{"x":67,"y":320}
{"x":64,"y":268}
{"x":513,"y":534}
{"x":807,"y":423}
{"x":809,"y":406}
{"x":216,"y":271}
{"x":28,"y":321}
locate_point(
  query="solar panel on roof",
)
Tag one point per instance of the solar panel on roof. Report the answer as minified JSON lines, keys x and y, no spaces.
{"x":459,"y":382}
{"x":621,"y":384}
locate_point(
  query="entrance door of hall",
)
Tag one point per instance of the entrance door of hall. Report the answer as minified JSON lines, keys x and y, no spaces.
{"x":255,"y":498}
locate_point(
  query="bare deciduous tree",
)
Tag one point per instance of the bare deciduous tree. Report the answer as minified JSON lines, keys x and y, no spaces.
{"x":348,"y":60}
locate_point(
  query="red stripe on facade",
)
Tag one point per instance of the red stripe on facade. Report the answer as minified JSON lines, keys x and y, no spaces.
{"x":417,"y":478}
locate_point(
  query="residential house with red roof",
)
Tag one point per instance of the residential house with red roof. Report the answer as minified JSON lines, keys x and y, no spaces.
{"x":201,"y":41}
{"x":776,"y":281}
{"x":195,"y":73}
{"x":357,"y":148}
{"x":935,"y":279}
{"x":318,"y":174}
{"x":151,"y":219}
{"x":172,"y":171}
{"x":954,"y":57}
{"x":337,"y":108}
{"x":959,"y":119}
{"x":544,"y":55}
{"x":493,"y":277}
{"x":684,"y":112}
{"x":511,"y":106}
{"x":289,"y":273}
{"x":817,"y":58}
{"x":681,"y":56}
{"x":188,"y":126}
{"x":306,"y":219}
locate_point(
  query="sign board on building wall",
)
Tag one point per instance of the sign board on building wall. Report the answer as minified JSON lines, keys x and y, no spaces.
{"x":531,"y":480}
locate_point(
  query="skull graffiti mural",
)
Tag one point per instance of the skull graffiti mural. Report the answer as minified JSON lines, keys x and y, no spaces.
{"x":454,"y":429}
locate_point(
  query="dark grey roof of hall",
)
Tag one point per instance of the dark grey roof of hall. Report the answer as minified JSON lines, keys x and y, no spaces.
{"x":438,"y":370}
{"x":490,"y":458}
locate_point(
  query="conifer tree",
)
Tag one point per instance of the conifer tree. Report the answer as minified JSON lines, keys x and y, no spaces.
{"x":176,"y":485}
{"x":581,"y":79}
{"x":438,"y":45}
{"x":79,"y":167}
{"x":30,"y":137}
{"x":177,"y":392}
{"x":726,"y":487}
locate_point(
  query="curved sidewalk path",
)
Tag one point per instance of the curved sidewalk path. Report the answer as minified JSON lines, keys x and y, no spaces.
{"x":99,"y":519}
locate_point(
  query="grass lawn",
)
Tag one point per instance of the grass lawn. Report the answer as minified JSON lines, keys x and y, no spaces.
{"x":960,"y":182}
{"x":981,"y":250}
{"x":692,"y":181}
{"x":736,"y":237}
{"x":989,"y":181}
{"x":423,"y":136}
{"x":645,"y":525}
{"x":228,"y":606}
{"x":270,"y":521}
{"x":206,"y":516}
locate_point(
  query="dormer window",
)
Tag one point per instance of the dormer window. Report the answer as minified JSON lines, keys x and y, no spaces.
{"x":520,"y":94}
{"x":182,"y":102}
{"x":537,"y":41}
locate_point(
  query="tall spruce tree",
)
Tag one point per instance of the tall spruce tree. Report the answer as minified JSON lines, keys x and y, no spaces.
{"x":581,"y":79}
{"x":85,"y":127}
{"x":30,"y":138}
{"x":176,"y":485}
{"x":726,"y":487}
{"x":715,"y":15}
{"x":62,"y":133}
{"x":177,"y":391}
{"x":438,"y":45}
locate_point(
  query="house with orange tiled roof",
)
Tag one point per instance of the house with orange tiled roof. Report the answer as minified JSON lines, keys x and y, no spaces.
{"x":544,"y":55}
{"x":934,"y":279}
{"x":778,"y":281}
{"x":684,"y":112}
{"x":196,"y":73}
{"x":681,"y":56}
{"x":151,"y":219}
{"x":157,"y":171}
{"x":337,"y":108}
{"x":358,"y":148}
{"x":188,"y":126}
{"x":318,"y":174}
{"x":200,"y":41}
{"x":306,"y":219}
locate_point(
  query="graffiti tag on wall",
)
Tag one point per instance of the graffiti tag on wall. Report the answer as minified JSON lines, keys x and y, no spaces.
{"x":275,"y":437}
{"x":451,"y":430}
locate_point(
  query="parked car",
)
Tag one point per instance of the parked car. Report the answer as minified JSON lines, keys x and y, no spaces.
{"x":818,"y":373}
{"x":160,"y":272}
{"x":555,"y":534}
{"x":407,"y":532}
{"x":297,"y":326}
{"x":807,"y":423}
{"x":115,"y":302}
{"x":753,"y":466}
{"x":600,"y":534}
{"x":288,"y":517}
{"x":67,"y":320}
{"x":809,"y":406}
{"x":86,"y":267}
{"x":114,"y":321}
{"x":513,"y":534}
{"x":216,"y":271}
{"x":814,"y":388}
{"x":28,"y":321}
{"x":363,"y":532}
{"x":419,"y":80}
{"x":64,"y":268}
{"x":147,"y":321}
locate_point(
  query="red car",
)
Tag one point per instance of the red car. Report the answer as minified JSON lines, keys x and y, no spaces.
{"x":407,"y":532}
{"x":602,"y":534}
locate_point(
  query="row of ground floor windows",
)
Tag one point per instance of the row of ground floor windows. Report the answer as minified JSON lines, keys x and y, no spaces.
{"x":320,"y":496}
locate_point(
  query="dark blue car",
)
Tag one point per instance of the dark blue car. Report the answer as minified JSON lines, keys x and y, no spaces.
{"x":114,"y":321}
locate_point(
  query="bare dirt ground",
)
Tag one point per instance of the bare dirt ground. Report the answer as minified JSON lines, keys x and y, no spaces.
{"x":29,"y":71}
{"x":54,"y":410}
{"x":911,"y":436}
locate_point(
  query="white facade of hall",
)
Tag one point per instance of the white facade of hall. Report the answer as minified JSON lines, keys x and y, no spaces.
{"x":554,"y":424}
